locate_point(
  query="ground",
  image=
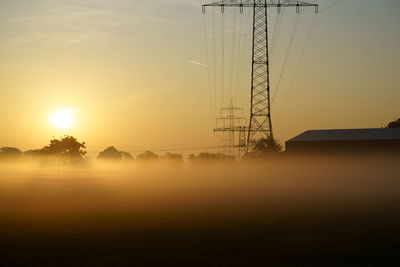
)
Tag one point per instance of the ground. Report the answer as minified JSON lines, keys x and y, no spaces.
{"x":279,"y":212}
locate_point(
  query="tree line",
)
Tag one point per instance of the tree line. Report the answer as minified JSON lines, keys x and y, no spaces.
{"x":69,"y":150}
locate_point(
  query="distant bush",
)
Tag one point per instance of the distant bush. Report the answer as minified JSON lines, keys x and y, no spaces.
{"x":10,"y":153}
{"x":263,"y":147}
{"x":172,"y":158}
{"x":126,"y":155}
{"x":394,"y":124}
{"x":111,"y":153}
{"x":205,"y":157}
{"x":147,"y":156}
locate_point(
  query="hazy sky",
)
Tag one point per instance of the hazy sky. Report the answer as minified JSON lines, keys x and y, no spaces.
{"x":137,"y":75}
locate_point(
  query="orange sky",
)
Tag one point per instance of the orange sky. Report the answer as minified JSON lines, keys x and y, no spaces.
{"x":129,"y":70}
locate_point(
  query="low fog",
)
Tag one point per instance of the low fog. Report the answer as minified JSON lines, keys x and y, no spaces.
{"x":163,"y":193}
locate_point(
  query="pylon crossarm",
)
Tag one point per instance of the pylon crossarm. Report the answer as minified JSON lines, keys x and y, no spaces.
{"x":231,"y":117}
{"x":230,"y":108}
{"x":258,"y":3}
{"x":233,"y":129}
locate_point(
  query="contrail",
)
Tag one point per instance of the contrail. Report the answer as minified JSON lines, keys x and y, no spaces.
{"x":207,"y":66}
{"x":199,"y":64}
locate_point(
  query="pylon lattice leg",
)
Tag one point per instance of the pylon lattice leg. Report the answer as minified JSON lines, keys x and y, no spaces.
{"x":260,"y":125}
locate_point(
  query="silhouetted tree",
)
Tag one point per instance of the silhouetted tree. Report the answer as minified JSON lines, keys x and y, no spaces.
{"x":394,"y":124}
{"x":10,"y":153}
{"x":67,"y":147}
{"x":205,"y":157}
{"x":111,"y":153}
{"x":126,"y":155}
{"x":172,"y":156}
{"x":147,"y":156}
{"x":264,"y":146}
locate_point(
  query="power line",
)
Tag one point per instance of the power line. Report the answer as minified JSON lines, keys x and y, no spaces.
{"x":242,"y":53}
{"x":260,"y":122}
{"x":223,"y":59}
{"x":276,"y":32}
{"x":214,"y":44}
{"x":233,"y":50}
{"x":298,"y":66}
{"x":210,"y":89}
{"x":330,"y":6}
{"x":238,"y":59}
{"x":177,"y":149}
{"x":292,"y":37}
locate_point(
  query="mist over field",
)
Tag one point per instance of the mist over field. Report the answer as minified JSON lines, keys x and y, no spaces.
{"x":199,"y":133}
{"x":253,"y":211}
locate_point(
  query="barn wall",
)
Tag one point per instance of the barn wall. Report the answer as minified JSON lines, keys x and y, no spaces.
{"x":363,"y":146}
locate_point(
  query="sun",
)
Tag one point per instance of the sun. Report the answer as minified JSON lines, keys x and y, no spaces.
{"x":62,"y":119}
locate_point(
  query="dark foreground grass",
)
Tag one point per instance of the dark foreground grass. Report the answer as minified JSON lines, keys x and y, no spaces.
{"x":292,"y":241}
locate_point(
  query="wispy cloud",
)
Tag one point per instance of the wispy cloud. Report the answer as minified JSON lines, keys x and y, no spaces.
{"x":58,"y":23}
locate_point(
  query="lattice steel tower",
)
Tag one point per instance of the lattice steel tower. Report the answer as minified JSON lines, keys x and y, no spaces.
{"x":231,"y":121}
{"x":260,"y":122}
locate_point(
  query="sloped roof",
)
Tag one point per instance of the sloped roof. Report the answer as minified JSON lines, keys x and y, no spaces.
{"x":348,"y":135}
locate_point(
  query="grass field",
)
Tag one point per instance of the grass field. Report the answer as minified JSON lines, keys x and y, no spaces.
{"x":277,"y":212}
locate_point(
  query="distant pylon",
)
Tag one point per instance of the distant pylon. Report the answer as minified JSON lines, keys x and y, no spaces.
{"x":228,"y":123}
{"x":260,"y":122}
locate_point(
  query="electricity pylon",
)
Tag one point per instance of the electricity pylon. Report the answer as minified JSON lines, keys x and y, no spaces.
{"x":260,"y":122}
{"x":228,"y":123}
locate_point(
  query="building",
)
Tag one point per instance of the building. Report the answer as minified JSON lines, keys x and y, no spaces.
{"x":379,"y":140}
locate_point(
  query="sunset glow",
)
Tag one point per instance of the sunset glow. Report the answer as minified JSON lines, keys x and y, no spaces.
{"x":199,"y":133}
{"x":62,"y":119}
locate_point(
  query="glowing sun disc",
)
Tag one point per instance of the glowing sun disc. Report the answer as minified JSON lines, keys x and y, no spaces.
{"x":62,"y":119}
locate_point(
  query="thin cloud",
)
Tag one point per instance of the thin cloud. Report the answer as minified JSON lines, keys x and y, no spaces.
{"x":76,"y":22}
